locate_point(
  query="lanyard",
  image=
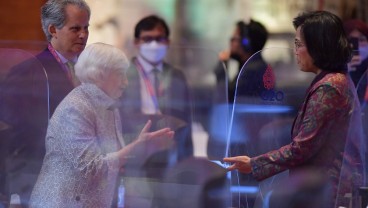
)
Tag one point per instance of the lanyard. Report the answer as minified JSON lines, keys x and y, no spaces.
{"x":63,"y":66}
{"x":149,"y":84}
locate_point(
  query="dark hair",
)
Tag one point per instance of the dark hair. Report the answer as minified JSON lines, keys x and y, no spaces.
{"x":325,"y":39}
{"x":149,"y":23}
{"x":253,"y":35}
{"x":352,"y":24}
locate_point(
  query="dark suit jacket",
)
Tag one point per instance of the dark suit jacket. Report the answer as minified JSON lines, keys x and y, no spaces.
{"x":27,"y":93}
{"x":174,"y":101}
{"x":28,"y":97}
{"x":249,"y":75}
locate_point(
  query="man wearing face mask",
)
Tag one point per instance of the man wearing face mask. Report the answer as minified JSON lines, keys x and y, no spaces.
{"x":159,"y":92}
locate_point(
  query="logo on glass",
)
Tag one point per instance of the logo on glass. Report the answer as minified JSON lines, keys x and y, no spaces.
{"x":269,"y":78}
{"x":269,"y":94}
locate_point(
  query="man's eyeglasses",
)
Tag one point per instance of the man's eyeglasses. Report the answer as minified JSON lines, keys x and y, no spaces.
{"x":159,"y":39}
{"x":298,"y":44}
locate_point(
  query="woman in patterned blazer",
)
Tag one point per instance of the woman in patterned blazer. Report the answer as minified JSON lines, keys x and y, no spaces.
{"x":321,"y":132}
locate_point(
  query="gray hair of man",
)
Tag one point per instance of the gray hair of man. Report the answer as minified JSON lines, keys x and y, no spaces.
{"x":98,"y":60}
{"x":53,"y":13}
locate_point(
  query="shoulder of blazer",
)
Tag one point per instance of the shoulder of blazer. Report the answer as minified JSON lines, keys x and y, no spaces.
{"x":336,"y":80}
{"x":27,"y":68}
{"x":55,"y":73}
{"x":48,"y":60}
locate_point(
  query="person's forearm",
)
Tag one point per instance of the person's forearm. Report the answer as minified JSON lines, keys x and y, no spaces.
{"x":126,"y":152}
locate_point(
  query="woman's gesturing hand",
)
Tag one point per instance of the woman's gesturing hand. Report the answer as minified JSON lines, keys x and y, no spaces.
{"x":240,"y":163}
{"x":162,"y":133}
{"x":155,"y":141}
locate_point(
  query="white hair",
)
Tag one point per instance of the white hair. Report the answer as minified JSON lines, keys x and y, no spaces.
{"x":98,"y":60}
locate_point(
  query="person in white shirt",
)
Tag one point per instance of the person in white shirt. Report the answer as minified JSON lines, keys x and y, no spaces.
{"x":156,"y":90}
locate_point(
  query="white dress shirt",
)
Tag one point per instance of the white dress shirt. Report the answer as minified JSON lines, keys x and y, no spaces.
{"x":148,"y":106}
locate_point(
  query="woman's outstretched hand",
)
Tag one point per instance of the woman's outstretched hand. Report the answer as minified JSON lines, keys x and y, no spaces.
{"x":165,"y":133}
{"x":240,"y":163}
{"x":155,"y":141}
{"x":146,"y":144}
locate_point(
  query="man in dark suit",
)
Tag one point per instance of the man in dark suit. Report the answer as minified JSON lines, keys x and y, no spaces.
{"x":159,"y":92}
{"x":33,"y":89}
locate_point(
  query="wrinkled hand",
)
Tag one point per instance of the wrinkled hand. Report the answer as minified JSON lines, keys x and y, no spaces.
{"x":146,"y":135}
{"x":157,"y":140}
{"x":240,"y":163}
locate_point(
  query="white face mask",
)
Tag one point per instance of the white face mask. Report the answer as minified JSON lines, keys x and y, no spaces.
{"x":153,"y":51}
{"x":363,"y":52}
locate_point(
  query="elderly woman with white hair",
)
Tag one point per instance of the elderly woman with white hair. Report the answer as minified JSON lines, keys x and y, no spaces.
{"x":84,"y":145}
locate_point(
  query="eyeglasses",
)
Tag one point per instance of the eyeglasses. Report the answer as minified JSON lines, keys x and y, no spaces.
{"x":159,"y":39}
{"x":298,"y":44}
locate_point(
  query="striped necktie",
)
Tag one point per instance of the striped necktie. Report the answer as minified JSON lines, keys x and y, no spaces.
{"x":71,"y":74}
{"x":156,"y":81}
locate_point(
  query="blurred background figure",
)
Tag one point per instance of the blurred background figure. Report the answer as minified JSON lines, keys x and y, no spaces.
{"x":247,"y":39}
{"x":33,"y":89}
{"x":357,"y":31}
{"x":84,"y":145}
{"x":157,"y":91}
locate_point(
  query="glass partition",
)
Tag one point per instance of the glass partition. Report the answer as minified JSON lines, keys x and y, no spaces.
{"x":208,"y":97}
{"x":187,"y":172}
{"x":24,"y":114}
{"x":353,"y":168}
{"x":270,"y":91}
{"x":191,"y":102}
{"x":362,"y":91}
